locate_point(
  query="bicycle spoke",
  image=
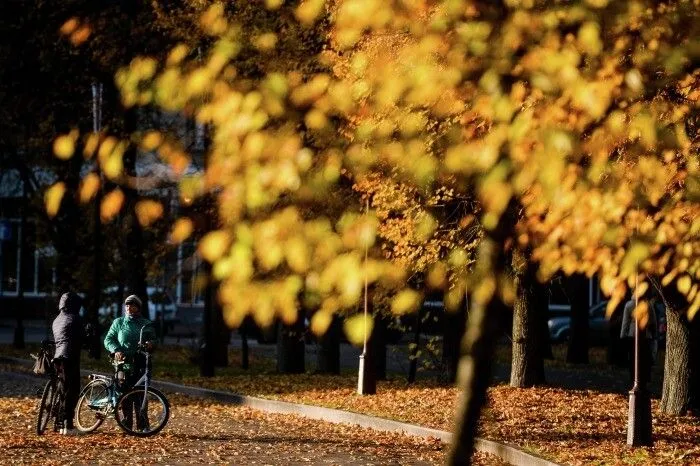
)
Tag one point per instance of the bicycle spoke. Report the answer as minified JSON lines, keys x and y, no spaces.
{"x":142,"y":416}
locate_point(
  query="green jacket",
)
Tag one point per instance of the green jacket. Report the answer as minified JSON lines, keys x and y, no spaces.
{"x":123,"y":335}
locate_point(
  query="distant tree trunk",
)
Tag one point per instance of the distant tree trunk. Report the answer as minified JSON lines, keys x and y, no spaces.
{"x":67,"y":224}
{"x":18,"y":340}
{"x":136,"y":264}
{"x":577,"y":289}
{"x":206,"y":349}
{"x":413,"y":353}
{"x":527,"y":367}
{"x":454,"y":324}
{"x":290,"y":347}
{"x":96,"y":291}
{"x":616,"y":352}
{"x":245,"y":353}
{"x":222,"y":334}
{"x":676,"y":396}
{"x":329,"y":349}
{"x":378,"y":341}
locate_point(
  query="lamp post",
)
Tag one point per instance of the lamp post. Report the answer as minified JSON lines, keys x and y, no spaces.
{"x":366,"y":380}
{"x":639,"y":414}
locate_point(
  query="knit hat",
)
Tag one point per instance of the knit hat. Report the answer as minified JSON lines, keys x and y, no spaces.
{"x":70,"y":302}
{"x":133,"y":299}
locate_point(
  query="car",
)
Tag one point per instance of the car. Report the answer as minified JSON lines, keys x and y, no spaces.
{"x":599,"y":326}
{"x":560,"y":324}
{"x":160,"y":303}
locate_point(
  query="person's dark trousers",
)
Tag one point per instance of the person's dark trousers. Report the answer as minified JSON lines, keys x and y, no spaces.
{"x":71,"y":369}
{"x":134,"y":403}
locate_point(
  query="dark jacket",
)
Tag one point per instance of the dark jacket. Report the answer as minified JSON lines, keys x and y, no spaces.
{"x":68,"y":331}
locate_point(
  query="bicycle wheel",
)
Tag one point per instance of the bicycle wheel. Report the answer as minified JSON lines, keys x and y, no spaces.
{"x":141,"y":416}
{"x":45,"y":406}
{"x":93,"y":406}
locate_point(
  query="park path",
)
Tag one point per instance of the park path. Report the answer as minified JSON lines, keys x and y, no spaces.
{"x":205,"y":432}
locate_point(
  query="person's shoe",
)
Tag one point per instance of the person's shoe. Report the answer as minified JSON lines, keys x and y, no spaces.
{"x":70,"y":432}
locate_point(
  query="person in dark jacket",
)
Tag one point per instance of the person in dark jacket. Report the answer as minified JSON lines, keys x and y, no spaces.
{"x":68,"y":333}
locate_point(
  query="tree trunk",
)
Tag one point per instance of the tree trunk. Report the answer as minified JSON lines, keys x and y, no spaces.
{"x":18,"y":340}
{"x":329,"y":349}
{"x":222,"y":334}
{"x":454,"y":325}
{"x":95,"y":346}
{"x":527,"y":368}
{"x":378,"y":341}
{"x":413,"y":354}
{"x":290,"y":347}
{"x":474,"y":375}
{"x":675,"y":397}
{"x":577,"y":289}
{"x":245,"y":353}
{"x":479,"y":341}
{"x":136,"y":272}
{"x":616,"y":354}
{"x":206,"y":349}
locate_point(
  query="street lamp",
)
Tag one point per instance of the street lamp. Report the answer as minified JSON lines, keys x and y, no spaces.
{"x":639,"y":415}
{"x":366,"y":380}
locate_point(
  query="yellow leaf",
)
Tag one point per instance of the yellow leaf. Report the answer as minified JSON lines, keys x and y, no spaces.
{"x":88,"y":187}
{"x":69,"y":26}
{"x":320,"y":322}
{"x":297,"y":254}
{"x":181,"y":230}
{"x":113,"y":165}
{"x":684,"y":283}
{"x":437,"y":276}
{"x":223,"y":267}
{"x":91,"y":143}
{"x":641,"y":313}
{"x":693,"y":309}
{"x":358,"y":328}
{"x":111,"y":205}
{"x":148,"y":211}
{"x":151,"y":141}
{"x":64,"y":147}
{"x":273,"y":4}
{"x":53,"y":197}
{"x":635,"y":255}
{"x":214,"y":245}
{"x":233,"y":316}
{"x":405,"y":302}
{"x":308,"y":11}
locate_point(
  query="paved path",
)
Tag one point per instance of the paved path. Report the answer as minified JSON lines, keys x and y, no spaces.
{"x":204,"y":432}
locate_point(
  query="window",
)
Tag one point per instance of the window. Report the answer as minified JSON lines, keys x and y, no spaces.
{"x":10,"y":265}
{"x":34,"y":273}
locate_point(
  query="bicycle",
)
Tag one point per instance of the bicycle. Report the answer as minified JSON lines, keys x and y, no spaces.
{"x":106,"y":396}
{"x":53,"y":397}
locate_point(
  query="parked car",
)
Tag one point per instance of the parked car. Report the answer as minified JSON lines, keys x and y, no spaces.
{"x":598,"y":324}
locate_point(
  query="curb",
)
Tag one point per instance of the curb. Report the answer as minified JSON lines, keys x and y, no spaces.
{"x":508,"y":453}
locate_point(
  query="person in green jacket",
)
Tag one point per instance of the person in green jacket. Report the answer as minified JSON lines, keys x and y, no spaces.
{"x":123,"y":336}
{"x":122,"y":341}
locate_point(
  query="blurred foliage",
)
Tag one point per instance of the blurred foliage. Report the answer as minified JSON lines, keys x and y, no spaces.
{"x":580,"y":117}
